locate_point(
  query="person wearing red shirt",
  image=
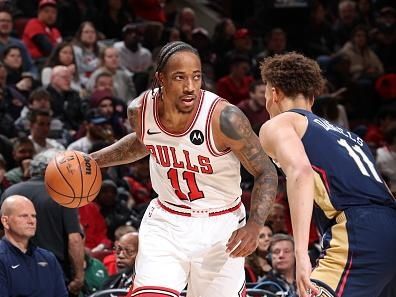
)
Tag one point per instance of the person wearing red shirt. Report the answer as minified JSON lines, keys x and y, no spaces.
{"x":235,"y":86}
{"x":40,"y":34}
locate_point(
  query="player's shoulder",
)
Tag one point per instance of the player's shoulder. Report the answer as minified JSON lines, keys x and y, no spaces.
{"x":137,"y":103}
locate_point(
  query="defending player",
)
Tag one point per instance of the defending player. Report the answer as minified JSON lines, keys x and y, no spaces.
{"x":195,"y":231}
{"x":333,"y":169}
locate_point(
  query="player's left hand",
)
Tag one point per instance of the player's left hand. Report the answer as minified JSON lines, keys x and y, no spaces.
{"x":303,"y":272}
{"x":244,"y":240}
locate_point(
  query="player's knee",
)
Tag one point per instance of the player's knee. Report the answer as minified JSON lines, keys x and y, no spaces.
{"x":324,"y":290}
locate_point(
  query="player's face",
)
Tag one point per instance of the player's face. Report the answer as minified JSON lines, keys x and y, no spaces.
{"x":283,"y":256}
{"x":270,"y":103}
{"x":181,"y":81}
{"x":264,"y":238}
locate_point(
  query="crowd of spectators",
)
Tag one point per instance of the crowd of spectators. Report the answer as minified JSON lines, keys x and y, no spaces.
{"x":68,"y":70}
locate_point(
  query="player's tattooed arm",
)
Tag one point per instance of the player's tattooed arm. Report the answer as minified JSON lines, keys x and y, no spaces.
{"x":129,"y":148}
{"x":246,"y":146}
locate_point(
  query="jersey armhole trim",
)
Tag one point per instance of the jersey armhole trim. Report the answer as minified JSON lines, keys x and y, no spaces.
{"x":143,"y":116}
{"x":212,"y":147}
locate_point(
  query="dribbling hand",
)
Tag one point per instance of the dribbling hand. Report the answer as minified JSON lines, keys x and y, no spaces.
{"x":244,"y":240}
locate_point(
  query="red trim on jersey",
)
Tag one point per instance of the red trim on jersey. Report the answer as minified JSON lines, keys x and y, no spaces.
{"x":340,"y":290}
{"x":143,"y":116}
{"x":209,"y":144}
{"x":323,"y":175}
{"x":163,"y":129}
{"x":211,"y":214}
{"x":153,"y":291}
{"x":179,"y":205}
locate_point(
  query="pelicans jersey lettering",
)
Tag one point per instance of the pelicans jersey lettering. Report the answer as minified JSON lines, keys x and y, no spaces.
{"x":186,"y":169}
{"x":353,"y":209}
{"x":184,"y":232}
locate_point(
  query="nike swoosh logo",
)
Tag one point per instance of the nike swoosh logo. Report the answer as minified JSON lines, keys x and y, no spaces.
{"x":15,"y":266}
{"x":152,"y":132}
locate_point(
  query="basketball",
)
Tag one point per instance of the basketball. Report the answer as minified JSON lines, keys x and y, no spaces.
{"x":73,"y":179}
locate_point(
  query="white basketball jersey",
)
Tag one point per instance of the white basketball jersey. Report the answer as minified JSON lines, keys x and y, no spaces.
{"x":186,"y":169}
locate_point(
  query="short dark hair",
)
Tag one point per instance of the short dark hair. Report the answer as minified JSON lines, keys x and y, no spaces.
{"x":19,"y":141}
{"x":35,"y":113}
{"x":293,"y":74}
{"x":255,"y":84}
{"x":38,"y":94}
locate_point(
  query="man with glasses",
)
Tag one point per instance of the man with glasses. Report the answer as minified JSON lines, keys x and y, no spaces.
{"x":126,"y":250}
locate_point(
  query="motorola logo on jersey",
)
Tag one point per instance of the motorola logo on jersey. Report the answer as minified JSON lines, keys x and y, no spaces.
{"x":197,"y":137}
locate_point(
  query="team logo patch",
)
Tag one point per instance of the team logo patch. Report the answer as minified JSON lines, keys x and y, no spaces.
{"x":197,"y":137}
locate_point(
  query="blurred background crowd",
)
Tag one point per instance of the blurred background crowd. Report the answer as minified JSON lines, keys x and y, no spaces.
{"x":69,"y":68}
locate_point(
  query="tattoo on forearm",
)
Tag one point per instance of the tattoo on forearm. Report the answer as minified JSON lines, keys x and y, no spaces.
{"x":235,"y":125}
{"x":125,"y":150}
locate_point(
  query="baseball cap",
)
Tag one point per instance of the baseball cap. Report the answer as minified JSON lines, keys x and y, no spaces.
{"x":241,"y":33}
{"x":43,"y":3}
{"x":94,"y":117}
{"x":200,"y":30}
{"x":98,"y":96}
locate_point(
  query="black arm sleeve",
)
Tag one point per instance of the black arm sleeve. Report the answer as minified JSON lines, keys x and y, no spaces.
{"x":43,"y":43}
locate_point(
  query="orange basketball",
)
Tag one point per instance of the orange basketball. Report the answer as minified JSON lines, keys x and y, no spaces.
{"x":73,"y":179}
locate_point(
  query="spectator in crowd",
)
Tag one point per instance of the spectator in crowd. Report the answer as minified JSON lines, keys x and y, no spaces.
{"x":318,"y":35}
{"x":222,"y":38}
{"x":283,"y":263}
{"x":111,"y":108}
{"x":152,"y":10}
{"x":97,"y":129}
{"x":58,"y":228}
{"x":186,"y":23}
{"x":112,"y":19}
{"x":40,"y":99}
{"x":11,"y":100}
{"x":254,"y":106}
{"x":366,"y":13}
{"x":62,"y":55}
{"x":242,"y":46}
{"x":385,"y":118}
{"x":346,"y":21}
{"x":123,"y":85}
{"x":4,"y":183}
{"x":133,"y":55}
{"x":95,"y":228}
{"x":276,"y":219}
{"x":66,"y":103}
{"x":40,"y":122}
{"x":139,"y":184}
{"x":23,"y":151}
{"x":235,"y":85}
{"x":26,"y":270}
{"x":276,"y":44}
{"x":41,"y":34}
{"x":257,"y":265}
{"x":95,"y":275}
{"x":385,"y":45}
{"x":112,"y":207}
{"x":12,"y":60}
{"x":104,"y":81}
{"x":126,"y":250}
{"x":386,"y":157}
{"x":6,"y":40}
{"x":365,"y":64}
{"x":86,"y":51}
{"x":110,"y":261}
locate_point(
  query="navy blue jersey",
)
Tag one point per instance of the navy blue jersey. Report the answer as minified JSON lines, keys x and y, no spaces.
{"x":346,"y":175}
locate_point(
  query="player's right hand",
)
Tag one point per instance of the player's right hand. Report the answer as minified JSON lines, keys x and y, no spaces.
{"x":243,"y":241}
{"x":303,"y":272}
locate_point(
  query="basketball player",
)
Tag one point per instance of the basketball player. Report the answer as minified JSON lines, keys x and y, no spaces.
{"x":333,"y":169}
{"x":195,"y":231}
